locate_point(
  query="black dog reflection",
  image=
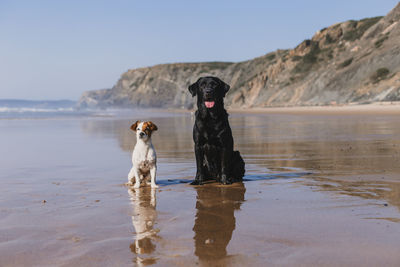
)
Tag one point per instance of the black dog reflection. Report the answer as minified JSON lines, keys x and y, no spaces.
{"x":143,"y":219}
{"x":215,"y":219}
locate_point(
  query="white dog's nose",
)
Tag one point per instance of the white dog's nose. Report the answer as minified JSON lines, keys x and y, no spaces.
{"x":141,"y":134}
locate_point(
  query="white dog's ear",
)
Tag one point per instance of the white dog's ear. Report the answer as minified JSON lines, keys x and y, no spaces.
{"x":134,"y":126}
{"x":152,"y":126}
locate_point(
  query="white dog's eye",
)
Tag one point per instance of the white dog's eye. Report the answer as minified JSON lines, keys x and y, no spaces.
{"x":138,"y":129}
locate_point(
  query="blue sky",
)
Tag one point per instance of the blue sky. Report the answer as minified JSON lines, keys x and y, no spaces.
{"x":58,"y":49}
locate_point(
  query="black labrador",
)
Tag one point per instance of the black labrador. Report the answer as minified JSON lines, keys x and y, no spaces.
{"x":212,"y":135}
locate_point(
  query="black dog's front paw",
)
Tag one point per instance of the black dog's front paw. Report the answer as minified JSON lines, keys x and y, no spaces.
{"x":225,"y":180}
{"x":199,"y":180}
{"x":196,"y":182}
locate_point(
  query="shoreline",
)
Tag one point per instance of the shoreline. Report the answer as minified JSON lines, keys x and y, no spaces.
{"x":386,"y":108}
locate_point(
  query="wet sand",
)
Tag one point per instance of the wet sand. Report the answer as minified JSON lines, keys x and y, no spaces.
{"x":320,"y":190}
{"x":388,"y":108}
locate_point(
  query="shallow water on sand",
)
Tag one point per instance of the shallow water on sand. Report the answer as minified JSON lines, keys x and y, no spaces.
{"x":318,"y":190}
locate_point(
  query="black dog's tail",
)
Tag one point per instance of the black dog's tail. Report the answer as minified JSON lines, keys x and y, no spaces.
{"x":238,"y":167}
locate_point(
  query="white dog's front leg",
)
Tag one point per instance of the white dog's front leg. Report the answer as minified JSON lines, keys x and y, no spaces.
{"x":131,"y":175}
{"x":137,"y":177}
{"x":153,"y":171}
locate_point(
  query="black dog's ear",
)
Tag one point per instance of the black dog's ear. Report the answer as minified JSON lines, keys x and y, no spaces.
{"x":225,"y":87}
{"x":193,"y":88}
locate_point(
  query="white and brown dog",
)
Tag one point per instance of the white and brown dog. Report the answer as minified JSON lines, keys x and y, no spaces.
{"x":144,"y":158}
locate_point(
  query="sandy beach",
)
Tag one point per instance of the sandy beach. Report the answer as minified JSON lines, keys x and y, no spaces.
{"x":322,"y":188}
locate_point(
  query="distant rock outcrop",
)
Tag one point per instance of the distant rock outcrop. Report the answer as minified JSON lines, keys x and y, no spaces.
{"x":353,"y":61}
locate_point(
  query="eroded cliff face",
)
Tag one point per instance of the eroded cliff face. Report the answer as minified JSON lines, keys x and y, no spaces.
{"x":353,"y":61}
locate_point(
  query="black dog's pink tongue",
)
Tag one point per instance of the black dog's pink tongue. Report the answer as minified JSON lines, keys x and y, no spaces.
{"x":209,"y":104}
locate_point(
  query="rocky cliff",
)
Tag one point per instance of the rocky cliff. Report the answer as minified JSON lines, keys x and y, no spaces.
{"x":353,"y":61}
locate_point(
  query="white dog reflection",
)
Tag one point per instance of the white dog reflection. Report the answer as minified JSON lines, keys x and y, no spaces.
{"x":144,"y":216}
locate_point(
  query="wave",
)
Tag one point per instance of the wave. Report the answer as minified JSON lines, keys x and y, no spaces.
{"x":35,"y":110}
{"x":51,"y":112}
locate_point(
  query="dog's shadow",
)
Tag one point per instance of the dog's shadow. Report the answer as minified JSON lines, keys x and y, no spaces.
{"x":273,"y":176}
{"x":246,"y":178}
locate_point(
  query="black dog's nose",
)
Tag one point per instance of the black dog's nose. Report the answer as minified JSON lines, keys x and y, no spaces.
{"x":208,"y":92}
{"x":141,"y":134}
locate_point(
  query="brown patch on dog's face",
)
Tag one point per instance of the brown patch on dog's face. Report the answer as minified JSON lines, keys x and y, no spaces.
{"x":134,"y":126}
{"x":148,"y":127}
